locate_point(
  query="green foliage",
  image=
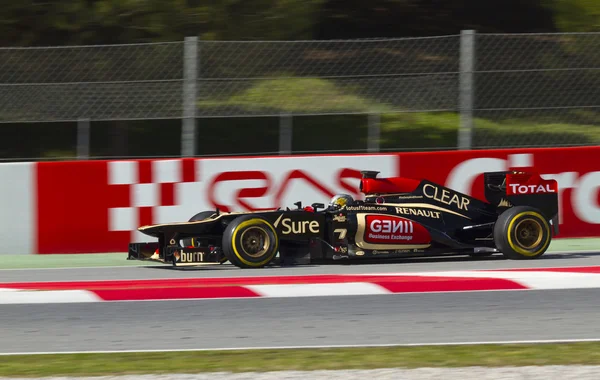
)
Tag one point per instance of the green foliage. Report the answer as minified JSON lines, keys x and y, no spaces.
{"x":294,"y":95}
{"x":262,"y":19}
{"x":59,"y":22}
{"x":399,"y":130}
{"x":576,"y":15}
{"x":66,"y":22}
{"x":410,"y":131}
{"x":395,"y":18}
{"x":236,"y":361}
{"x":37,"y":22}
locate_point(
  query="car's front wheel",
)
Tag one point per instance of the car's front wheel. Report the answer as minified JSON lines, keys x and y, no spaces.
{"x":250,"y":242}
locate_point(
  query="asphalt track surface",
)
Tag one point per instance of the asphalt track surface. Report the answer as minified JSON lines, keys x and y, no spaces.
{"x":348,"y":320}
{"x":553,"y":259}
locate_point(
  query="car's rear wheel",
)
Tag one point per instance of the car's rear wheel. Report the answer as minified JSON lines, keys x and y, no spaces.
{"x":522,"y":233}
{"x":250,"y":242}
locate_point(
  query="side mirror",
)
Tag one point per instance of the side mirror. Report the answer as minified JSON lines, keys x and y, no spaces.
{"x":369,"y":173}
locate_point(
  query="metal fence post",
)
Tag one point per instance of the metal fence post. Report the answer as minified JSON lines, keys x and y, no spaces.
{"x":467,"y":88}
{"x":285,"y":133}
{"x":190,"y":74}
{"x":373,"y":132}
{"x":83,"y":138}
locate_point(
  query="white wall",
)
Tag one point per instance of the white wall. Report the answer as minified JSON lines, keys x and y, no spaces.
{"x":17,"y":205}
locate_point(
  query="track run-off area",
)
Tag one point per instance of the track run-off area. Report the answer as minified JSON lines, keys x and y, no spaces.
{"x":104,"y":307}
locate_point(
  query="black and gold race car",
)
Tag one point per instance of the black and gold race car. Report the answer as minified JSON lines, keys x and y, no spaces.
{"x":399,"y":217}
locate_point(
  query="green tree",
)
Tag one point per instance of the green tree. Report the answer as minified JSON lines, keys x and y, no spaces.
{"x":400,"y":18}
{"x":38,"y":22}
{"x":575,"y":15}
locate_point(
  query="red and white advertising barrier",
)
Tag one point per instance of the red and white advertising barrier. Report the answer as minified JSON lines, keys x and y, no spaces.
{"x":96,"y":206}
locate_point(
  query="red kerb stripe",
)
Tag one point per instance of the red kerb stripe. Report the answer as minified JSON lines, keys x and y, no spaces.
{"x":174,"y":293}
{"x":445,"y":284}
{"x":393,"y":282}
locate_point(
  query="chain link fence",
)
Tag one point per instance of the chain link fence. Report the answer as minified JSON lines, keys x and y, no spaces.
{"x":537,"y":90}
{"x":473,"y":90}
{"x":324,"y":77}
{"x":114,"y":82}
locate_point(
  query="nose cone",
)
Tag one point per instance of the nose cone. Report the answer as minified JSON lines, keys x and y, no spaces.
{"x":150,"y":230}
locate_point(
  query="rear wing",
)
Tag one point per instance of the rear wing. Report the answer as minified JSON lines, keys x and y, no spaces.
{"x":523,"y":187}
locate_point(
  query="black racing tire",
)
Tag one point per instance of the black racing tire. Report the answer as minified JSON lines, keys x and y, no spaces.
{"x":189,"y":242}
{"x":250,"y":242}
{"x":522,"y":233}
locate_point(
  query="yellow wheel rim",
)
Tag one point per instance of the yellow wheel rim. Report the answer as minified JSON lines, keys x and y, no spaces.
{"x":255,"y":242}
{"x":254,"y":223}
{"x":528,"y":233}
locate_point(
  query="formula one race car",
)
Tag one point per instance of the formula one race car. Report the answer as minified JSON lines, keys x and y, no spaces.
{"x":399,"y":217}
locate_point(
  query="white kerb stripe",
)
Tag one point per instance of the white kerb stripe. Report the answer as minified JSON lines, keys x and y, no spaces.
{"x":51,"y":296}
{"x":167,"y":171}
{"x":533,"y":280}
{"x":122,"y":172}
{"x":312,"y":290}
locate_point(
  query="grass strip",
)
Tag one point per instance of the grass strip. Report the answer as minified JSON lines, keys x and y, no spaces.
{"x":586,"y":353}
{"x":72,"y":261}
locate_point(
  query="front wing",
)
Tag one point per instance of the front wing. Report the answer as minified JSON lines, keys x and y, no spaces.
{"x":177,"y":256}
